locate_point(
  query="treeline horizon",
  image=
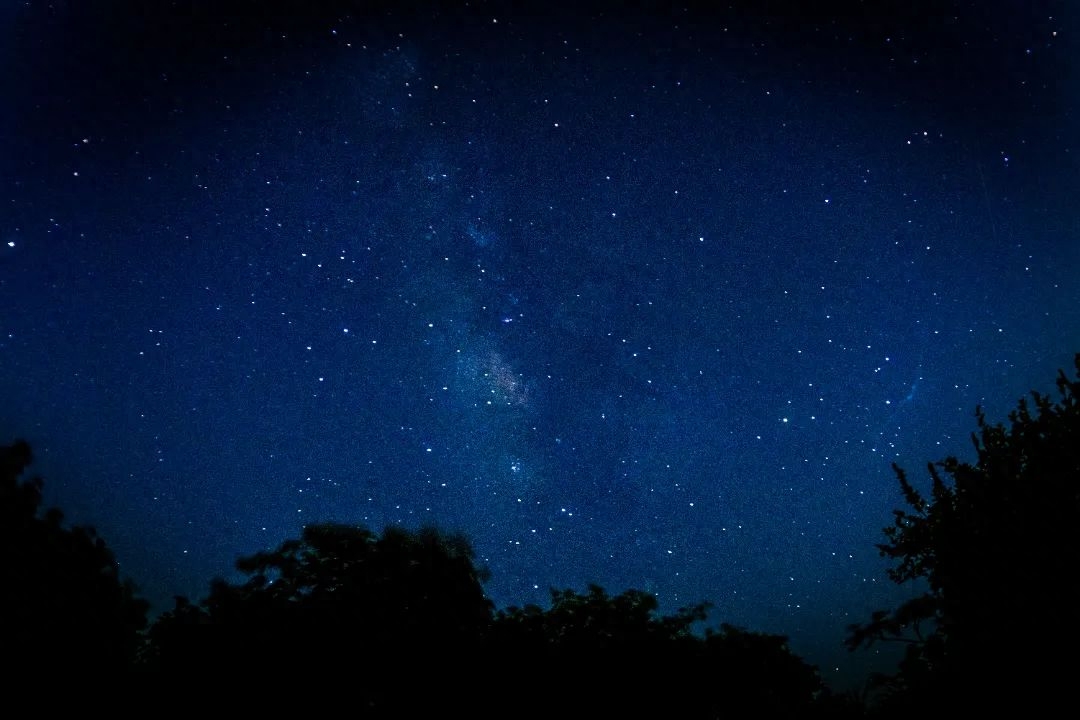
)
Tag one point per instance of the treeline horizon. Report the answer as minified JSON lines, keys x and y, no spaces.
{"x":404,"y":615}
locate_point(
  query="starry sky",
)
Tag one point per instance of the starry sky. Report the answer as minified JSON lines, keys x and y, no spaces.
{"x":649,"y":299}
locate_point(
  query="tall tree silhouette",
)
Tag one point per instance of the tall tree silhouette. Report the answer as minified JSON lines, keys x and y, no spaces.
{"x":63,"y":606}
{"x":995,"y":546}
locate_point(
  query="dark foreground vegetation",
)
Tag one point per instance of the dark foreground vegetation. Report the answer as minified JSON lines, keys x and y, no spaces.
{"x":397,"y":624}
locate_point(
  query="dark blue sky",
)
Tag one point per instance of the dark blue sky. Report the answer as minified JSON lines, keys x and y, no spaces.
{"x":647,"y":300}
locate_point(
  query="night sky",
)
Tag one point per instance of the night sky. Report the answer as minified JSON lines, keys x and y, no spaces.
{"x":650,"y":300}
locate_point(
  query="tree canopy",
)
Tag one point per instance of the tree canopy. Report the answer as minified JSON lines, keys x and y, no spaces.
{"x":403,"y":616}
{"x":398,"y":621}
{"x":63,"y":606}
{"x":995,"y":549}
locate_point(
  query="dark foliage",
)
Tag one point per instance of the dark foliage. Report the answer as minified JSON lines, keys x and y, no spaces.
{"x":394,"y":625}
{"x":403,"y":618}
{"x":386,"y":611}
{"x":995,"y":546}
{"x":398,"y":624}
{"x":63,"y":607}
{"x":617,"y":657}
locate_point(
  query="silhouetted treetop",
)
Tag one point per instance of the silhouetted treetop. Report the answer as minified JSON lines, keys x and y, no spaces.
{"x":340,"y":596}
{"x":622,"y":658}
{"x":994,"y":544}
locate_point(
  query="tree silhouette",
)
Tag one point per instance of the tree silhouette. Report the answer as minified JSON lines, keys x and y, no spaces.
{"x":403,"y":618}
{"x":396,"y":624}
{"x":63,"y":607}
{"x":760,"y":670}
{"x":595,"y":622}
{"x":388,"y":611}
{"x":617,"y":657}
{"x":995,"y":545}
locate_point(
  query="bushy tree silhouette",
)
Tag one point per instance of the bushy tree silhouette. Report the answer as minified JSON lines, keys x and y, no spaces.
{"x":396,"y":625}
{"x":995,"y":546}
{"x":594,"y":622}
{"x":761,"y":673}
{"x":63,"y":606}
{"x":387,"y":611}
{"x":403,"y":619}
{"x":617,"y":657}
